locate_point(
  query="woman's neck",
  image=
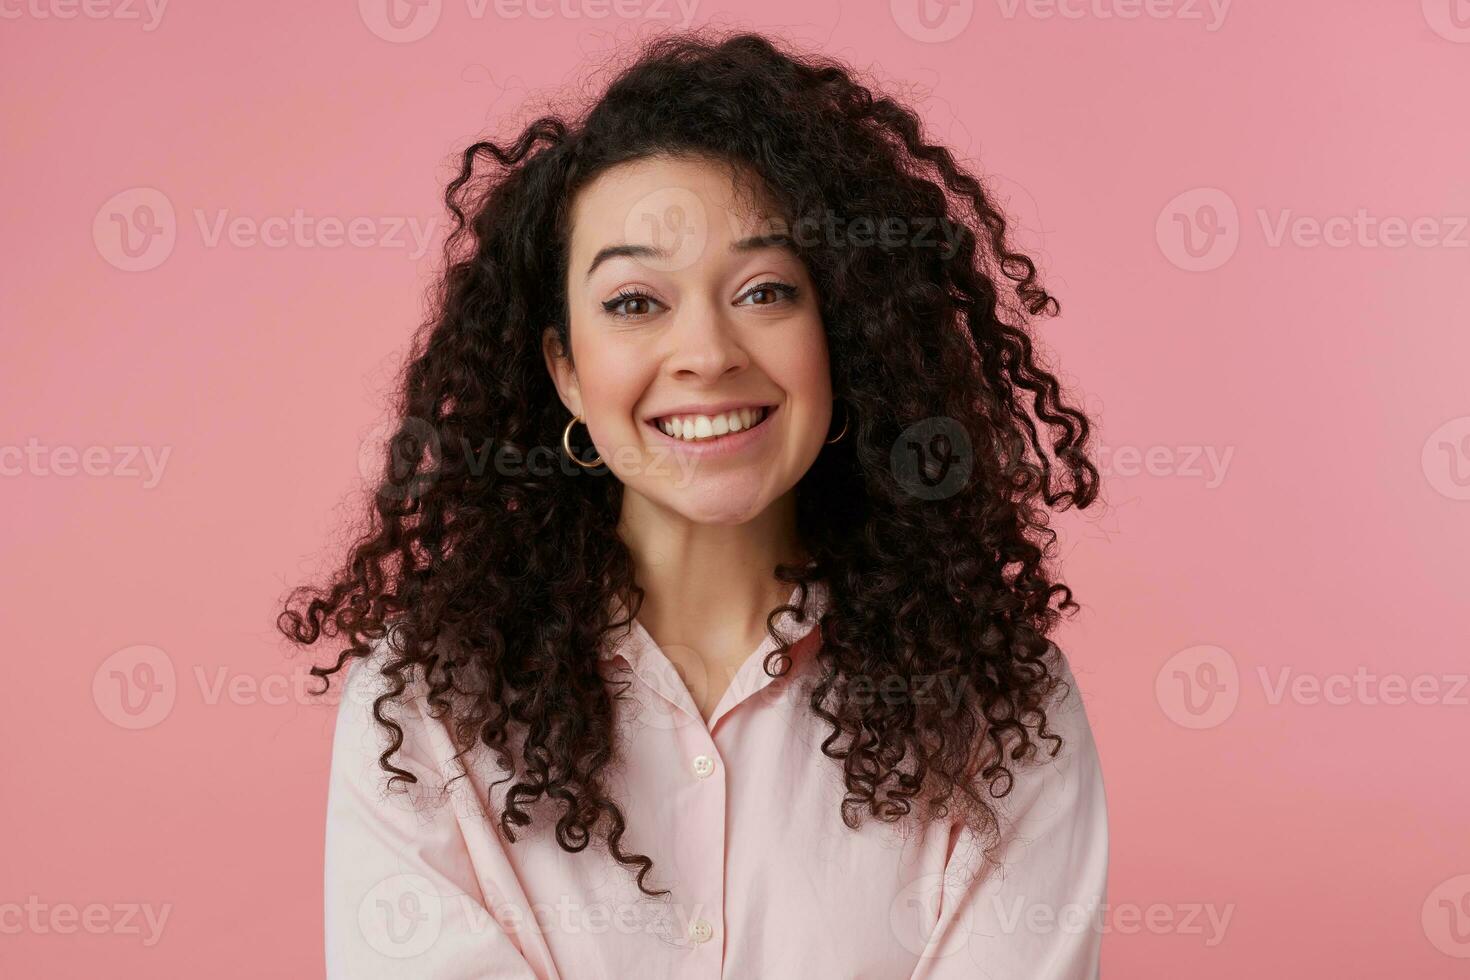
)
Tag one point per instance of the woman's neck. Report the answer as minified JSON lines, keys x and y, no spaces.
{"x":708,"y":585}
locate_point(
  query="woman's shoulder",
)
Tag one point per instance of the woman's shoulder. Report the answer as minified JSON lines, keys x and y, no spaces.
{"x":384,"y":715}
{"x":375,"y":699}
{"x":1066,"y":708}
{"x":385,"y":676}
{"x":1065,"y":774}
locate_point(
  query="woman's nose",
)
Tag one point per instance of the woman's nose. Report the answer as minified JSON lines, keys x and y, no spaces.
{"x":704,"y":341}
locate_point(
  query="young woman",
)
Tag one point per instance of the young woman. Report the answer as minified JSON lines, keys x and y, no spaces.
{"x":700,"y":626}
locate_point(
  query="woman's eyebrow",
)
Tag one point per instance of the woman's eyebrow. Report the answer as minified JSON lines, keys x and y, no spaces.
{"x":755,"y":243}
{"x":633,"y":251}
{"x":752,"y":243}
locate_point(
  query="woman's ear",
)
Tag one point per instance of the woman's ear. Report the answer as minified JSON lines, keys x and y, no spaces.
{"x":563,"y":374}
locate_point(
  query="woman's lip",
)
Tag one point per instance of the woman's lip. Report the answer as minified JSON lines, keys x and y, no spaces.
{"x":731,"y":442}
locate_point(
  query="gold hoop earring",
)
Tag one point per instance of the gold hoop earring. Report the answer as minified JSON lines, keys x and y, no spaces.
{"x":566,"y":444}
{"x":839,"y":435}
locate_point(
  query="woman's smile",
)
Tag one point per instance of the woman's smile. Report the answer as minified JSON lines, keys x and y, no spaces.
{"x":722,"y":434}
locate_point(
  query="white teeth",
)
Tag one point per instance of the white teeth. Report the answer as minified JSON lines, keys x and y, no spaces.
{"x":693,"y":428}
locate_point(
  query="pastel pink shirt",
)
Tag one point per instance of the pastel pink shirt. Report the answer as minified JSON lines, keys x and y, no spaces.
{"x":741,"y":819}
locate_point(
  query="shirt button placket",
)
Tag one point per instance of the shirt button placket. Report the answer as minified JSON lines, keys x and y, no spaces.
{"x":705,"y":913}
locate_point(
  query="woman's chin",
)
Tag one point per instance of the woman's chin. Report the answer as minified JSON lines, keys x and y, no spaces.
{"x":712,"y":505}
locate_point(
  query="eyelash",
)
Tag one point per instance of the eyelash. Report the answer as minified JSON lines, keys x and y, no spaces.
{"x":611,"y":306}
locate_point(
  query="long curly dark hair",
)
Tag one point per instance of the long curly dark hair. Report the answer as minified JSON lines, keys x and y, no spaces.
{"x":926,"y":523}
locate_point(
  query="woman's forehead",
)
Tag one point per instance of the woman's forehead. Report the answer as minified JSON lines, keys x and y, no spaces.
{"x":653,"y":200}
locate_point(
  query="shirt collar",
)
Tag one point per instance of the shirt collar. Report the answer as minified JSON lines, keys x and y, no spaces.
{"x":632,"y":641}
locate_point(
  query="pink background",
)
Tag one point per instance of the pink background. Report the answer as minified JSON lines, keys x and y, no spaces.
{"x":1326,"y":545}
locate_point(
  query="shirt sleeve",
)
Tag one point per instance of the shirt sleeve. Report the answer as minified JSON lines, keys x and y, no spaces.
{"x":1036,"y":913}
{"x":401,"y":893}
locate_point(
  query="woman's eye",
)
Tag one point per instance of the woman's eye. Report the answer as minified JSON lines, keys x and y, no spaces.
{"x":773,"y":292}
{"x":619,"y":305}
{"x":632,"y":304}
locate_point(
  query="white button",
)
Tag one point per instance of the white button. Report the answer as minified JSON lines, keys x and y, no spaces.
{"x":703,"y":766}
{"x":700,"y":931}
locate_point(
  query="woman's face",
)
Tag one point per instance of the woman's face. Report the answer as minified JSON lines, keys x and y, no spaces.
{"x":680,"y":313}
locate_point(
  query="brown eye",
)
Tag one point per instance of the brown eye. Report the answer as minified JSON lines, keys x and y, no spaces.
{"x":774,"y":292}
{"x":639,"y":301}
